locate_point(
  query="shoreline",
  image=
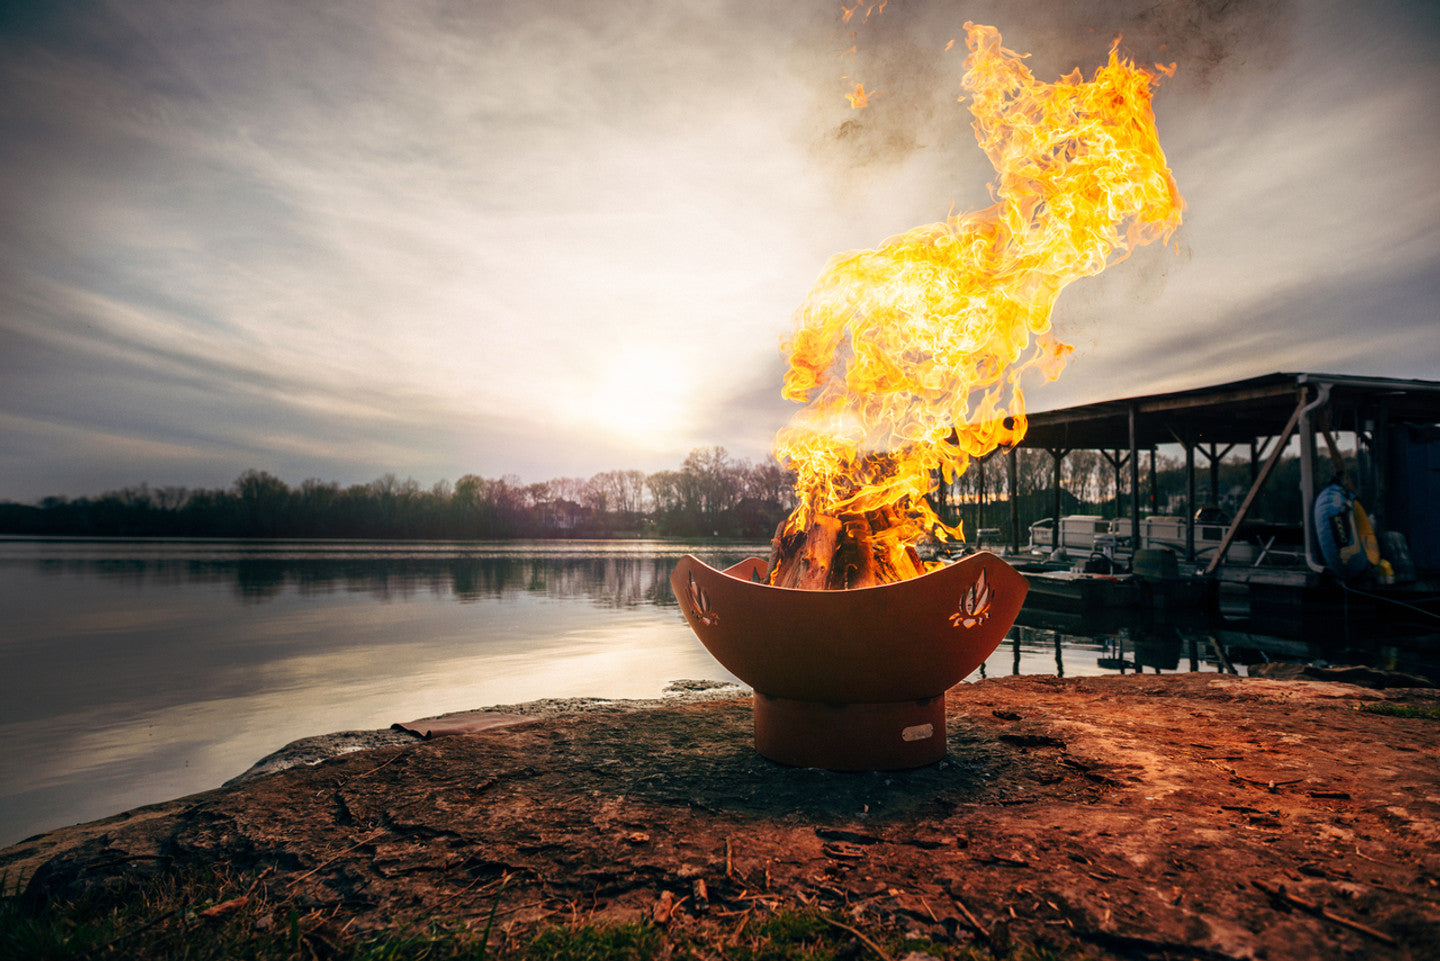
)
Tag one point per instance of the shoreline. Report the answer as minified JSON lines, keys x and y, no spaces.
{"x":323,"y":747}
{"x":20,"y":859}
{"x":1187,"y":815}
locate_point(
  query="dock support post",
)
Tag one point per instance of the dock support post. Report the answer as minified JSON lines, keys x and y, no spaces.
{"x":1190,"y":501}
{"x":1215,"y":459}
{"x":1380,"y":461}
{"x":1154,"y":485}
{"x":1057,"y":544}
{"x":980,"y":498}
{"x":1116,"y":460}
{"x":1135,"y":484}
{"x":1014,"y":483}
{"x":1307,"y":472}
{"x":1215,"y":455}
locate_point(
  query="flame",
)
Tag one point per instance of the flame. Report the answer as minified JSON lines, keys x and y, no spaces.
{"x":847,"y":12}
{"x":859,"y":98}
{"x":909,"y":356}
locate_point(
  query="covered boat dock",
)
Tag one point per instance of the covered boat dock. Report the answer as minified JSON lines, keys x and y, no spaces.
{"x":1393,"y":424}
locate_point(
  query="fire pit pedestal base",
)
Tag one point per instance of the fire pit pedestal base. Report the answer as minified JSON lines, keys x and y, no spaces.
{"x":851,"y":680}
{"x":850,"y":737}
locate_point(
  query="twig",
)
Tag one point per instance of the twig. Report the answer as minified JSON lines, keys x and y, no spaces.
{"x":1369,"y":858}
{"x":258,"y":878}
{"x":235,"y":903}
{"x":326,"y":863}
{"x":868,"y":943}
{"x":224,"y":907}
{"x":503,"y":881}
{"x":970,"y":918}
{"x":374,"y":769}
{"x":1265,"y":784}
{"x":1279,"y":893}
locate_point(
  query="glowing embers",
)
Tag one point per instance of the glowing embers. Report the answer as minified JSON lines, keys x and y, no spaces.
{"x":851,"y":680}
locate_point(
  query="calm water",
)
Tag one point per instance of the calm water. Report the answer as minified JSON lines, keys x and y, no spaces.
{"x":138,"y":671}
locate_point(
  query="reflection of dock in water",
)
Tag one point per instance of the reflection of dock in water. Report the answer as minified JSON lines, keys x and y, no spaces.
{"x":1150,"y":641}
{"x":1117,"y":640}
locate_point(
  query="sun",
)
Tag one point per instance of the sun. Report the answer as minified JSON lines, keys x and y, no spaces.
{"x":639,"y":395}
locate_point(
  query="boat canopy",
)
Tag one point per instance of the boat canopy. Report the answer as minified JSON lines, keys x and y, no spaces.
{"x":1394,"y":420}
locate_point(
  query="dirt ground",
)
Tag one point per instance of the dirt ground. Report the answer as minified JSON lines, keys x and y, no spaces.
{"x":1183,"y":816}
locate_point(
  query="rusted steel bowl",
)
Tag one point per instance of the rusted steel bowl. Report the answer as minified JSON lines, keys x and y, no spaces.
{"x":851,"y":680}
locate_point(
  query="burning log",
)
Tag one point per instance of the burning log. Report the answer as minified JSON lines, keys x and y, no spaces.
{"x":803,"y":559}
{"x":842,"y":553}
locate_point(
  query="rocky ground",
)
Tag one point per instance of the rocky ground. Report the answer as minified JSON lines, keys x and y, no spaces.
{"x":1184,"y":815}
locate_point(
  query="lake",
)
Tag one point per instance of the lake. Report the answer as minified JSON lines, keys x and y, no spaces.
{"x":134,"y":671}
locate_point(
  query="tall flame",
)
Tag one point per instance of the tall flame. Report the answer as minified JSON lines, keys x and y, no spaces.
{"x":909,"y":356}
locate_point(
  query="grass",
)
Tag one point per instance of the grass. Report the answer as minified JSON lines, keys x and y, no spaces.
{"x":1430,"y":712}
{"x":631,"y":941}
{"x":219,"y":916}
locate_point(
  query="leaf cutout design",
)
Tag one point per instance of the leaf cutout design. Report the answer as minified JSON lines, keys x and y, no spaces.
{"x":700,"y":604}
{"x":974,"y":604}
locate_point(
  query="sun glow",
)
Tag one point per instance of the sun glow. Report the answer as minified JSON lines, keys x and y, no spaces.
{"x":640,"y":396}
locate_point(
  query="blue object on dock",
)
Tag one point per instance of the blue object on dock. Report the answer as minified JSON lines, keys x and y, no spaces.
{"x":1340,"y":539}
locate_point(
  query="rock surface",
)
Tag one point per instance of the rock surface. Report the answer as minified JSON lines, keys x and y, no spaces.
{"x":1191,"y":815}
{"x":323,"y":747}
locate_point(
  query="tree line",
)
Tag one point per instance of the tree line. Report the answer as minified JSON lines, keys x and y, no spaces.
{"x":710,"y":494}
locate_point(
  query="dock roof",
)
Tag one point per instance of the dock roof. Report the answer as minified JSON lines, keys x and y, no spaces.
{"x":1233,"y":413}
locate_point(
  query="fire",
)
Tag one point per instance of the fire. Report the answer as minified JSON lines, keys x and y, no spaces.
{"x":859,"y":98}
{"x":909,"y":356}
{"x":847,"y":12}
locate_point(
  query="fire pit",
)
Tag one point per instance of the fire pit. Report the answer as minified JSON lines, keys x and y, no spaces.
{"x":851,"y":680}
{"x":908,"y":358}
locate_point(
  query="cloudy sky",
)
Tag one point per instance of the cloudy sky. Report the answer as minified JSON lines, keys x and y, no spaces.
{"x":431,"y":238}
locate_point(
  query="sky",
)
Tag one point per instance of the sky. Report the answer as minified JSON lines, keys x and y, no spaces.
{"x":347,"y":239}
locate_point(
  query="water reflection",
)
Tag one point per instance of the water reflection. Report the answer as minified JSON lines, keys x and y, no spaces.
{"x":136,"y":671}
{"x":611,"y":574}
{"x":614,"y":575}
{"x":1061,"y":643}
{"x":607,"y":581}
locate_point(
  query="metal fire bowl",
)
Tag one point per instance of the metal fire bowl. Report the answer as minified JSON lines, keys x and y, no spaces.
{"x":851,"y":680}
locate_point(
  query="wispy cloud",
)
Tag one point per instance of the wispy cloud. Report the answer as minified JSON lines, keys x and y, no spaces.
{"x":431,"y":239}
